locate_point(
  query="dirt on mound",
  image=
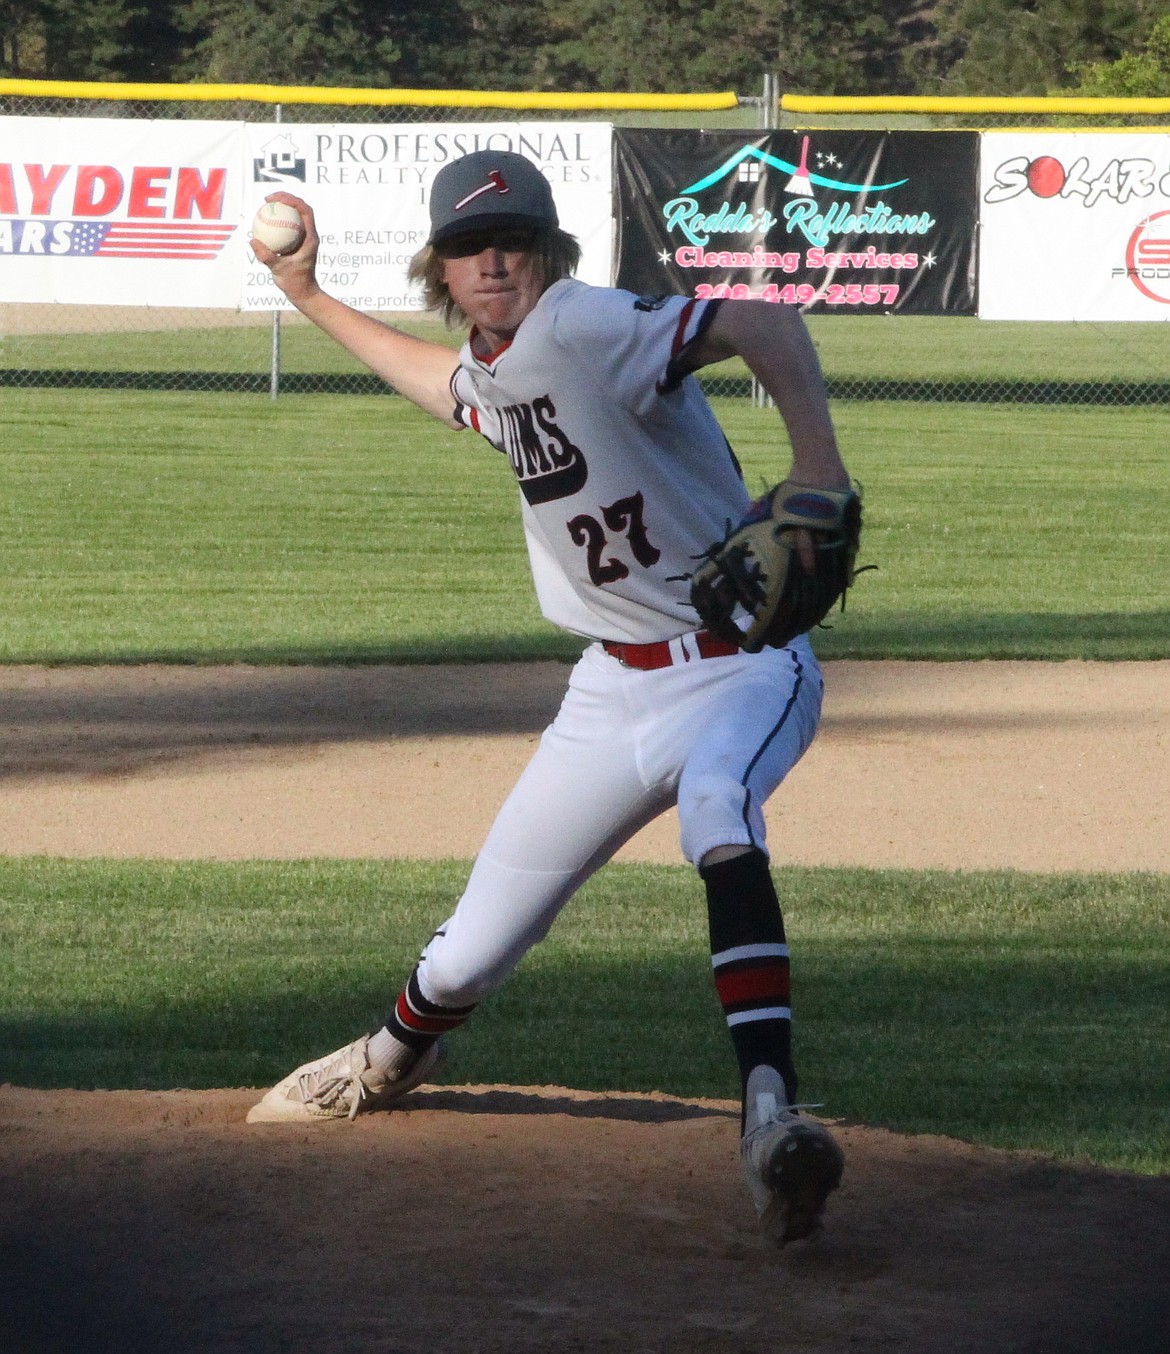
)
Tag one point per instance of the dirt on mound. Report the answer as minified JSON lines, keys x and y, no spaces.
{"x":494,"y":1220}
{"x":481,"y":1220}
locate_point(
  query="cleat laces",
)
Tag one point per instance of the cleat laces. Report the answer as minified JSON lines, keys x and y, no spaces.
{"x":327,"y":1086}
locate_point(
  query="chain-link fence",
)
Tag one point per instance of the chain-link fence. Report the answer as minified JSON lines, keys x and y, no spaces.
{"x":879,"y":357}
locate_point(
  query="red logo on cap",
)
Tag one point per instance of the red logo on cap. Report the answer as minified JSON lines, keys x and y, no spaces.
{"x":496,"y":183}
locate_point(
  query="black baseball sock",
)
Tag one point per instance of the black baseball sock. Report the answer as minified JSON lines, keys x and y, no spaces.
{"x":749,"y":954}
{"x":417,"y":1022}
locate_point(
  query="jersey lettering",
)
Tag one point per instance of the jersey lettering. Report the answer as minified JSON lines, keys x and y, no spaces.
{"x":587,"y":531}
{"x":546,"y":462}
{"x":624,"y":516}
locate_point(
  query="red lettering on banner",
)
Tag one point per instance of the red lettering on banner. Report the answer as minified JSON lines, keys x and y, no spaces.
{"x":192,"y":193}
{"x":1154,"y":253}
{"x":146,"y":190}
{"x":98,"y":190}
{"x":44,"y":186}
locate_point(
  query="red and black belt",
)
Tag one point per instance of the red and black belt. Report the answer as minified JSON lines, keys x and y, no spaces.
{"x":665,"y":653}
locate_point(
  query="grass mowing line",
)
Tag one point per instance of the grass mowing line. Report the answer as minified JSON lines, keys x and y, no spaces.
{"x":1016,"y":1010}
{"x":866,"y":347}
{"x":189,"y":528}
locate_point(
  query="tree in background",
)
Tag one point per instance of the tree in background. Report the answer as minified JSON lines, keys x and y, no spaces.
{"x":1002,"y":47}
{"x":502,"y":46}
{"x":285,"y":42}
{"x":426,"y":44}
{"x":1135,"y":75}
{"x":815,"y":46}
{"x":22,"y":43}
{"x":87,"y":39}
{"x":838,"y":47}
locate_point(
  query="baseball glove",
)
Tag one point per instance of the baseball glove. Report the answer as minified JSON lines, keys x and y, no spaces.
{"x":756,"y":568}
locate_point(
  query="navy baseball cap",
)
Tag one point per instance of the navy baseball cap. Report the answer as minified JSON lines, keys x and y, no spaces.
{"x":489,"y":189}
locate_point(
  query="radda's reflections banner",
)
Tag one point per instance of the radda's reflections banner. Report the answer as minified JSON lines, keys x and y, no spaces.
{"x":849,"y":222}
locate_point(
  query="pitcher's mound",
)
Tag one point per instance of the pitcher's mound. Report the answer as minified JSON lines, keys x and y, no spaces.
{"x":491,"y":1220}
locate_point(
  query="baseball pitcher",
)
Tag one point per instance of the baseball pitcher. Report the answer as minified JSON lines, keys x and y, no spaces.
{"x":697,"y":686}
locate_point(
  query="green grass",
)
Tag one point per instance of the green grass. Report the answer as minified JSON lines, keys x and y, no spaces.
{"x":196,"y":528}
{"x":1014,"y":1010}
{"x":891,"y":347}
{"x":181,"y":527}
{"x":215,"y":348}
{"x":941,"y":348}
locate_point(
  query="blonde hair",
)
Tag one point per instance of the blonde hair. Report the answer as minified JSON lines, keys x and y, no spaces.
{"x":556,"y":254}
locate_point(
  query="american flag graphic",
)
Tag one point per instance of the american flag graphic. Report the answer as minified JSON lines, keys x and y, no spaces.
{"x":148,"y":239}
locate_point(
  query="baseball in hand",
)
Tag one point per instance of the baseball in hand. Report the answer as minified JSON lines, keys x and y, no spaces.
{"x":279,"y":226}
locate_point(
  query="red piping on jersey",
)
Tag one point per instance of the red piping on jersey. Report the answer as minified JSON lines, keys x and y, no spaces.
{"x":680,"y":329}
{"x":491,"y":357}
{"x":677,"y":368}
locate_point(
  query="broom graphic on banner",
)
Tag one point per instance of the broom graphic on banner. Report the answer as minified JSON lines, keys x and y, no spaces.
{"x":800,"y":183}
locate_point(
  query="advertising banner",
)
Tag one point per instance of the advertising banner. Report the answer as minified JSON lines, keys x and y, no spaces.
{"x":369,"y":187}
{"x":840,"y":222}
{"x":1075,"y":226}
{"x":110,"y":211}
{"x":107,"y":211}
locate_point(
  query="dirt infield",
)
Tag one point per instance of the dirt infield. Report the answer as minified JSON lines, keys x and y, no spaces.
{"x":492,"y":1219}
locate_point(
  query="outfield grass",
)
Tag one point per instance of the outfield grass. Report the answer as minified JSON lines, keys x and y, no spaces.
{"x":1015,"y":1010}
{"x":195,"y":528}
{"x":886,"y":347}
{"x":1008,"y":1009}
{"x":240,"y":346}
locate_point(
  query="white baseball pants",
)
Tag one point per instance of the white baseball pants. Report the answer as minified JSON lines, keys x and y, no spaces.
{"x":715,"y":735}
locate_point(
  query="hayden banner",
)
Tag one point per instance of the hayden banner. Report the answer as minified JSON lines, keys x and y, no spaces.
{"x":1075,"y":226}
{"x":841,"y":222}
{"x":107,"y":211}
{"x":115,"y":212}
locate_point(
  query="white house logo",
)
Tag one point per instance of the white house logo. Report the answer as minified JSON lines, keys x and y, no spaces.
{"x":804,"y":183}
{"x":279,"y":161}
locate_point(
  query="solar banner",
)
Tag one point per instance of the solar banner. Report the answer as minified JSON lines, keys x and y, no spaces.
{"x":1075,"y":226}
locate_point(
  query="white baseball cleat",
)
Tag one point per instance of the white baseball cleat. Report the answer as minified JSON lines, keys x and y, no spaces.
{"x":341,"y":1085}
{"x":791,"y":1164}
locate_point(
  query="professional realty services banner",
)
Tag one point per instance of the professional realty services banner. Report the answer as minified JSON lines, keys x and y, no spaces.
{"x":369,"y":187}
{"x":1075,"y":226}
{"x":834,"y":221}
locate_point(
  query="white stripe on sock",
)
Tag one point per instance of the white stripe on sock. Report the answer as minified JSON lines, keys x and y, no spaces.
{"x":761,"y":1013}
{"x":732,"y":956}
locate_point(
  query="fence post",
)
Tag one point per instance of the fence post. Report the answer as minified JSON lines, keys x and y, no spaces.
{"x":767,"y":121}
{"x":274,"y":360}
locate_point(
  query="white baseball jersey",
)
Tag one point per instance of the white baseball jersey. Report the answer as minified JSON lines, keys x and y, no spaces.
{"x":625,"y":475}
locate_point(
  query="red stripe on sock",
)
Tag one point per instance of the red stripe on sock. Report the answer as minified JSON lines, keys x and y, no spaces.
{"x":411,"y":1020}
{"x":771,"y":983}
